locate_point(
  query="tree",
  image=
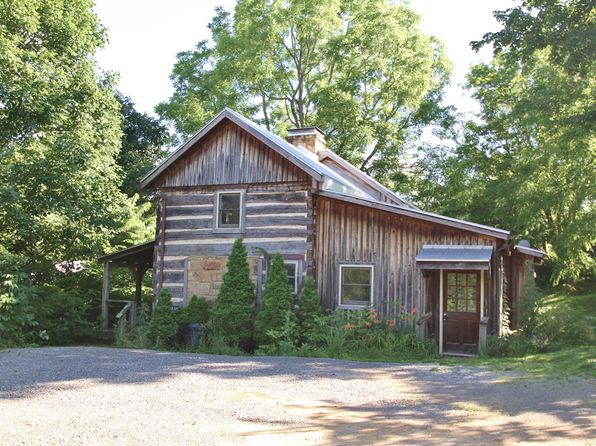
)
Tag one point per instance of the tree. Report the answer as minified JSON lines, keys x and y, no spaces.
{"x":59,"y":138}
{"x":529,"y":163}
{"x":361,"y":70}
{"x":309,"y":309}
{"x":233,"y":309}
{"x":143,"y":145}
{"x":163,"y":326}
{"x":277,"y":301}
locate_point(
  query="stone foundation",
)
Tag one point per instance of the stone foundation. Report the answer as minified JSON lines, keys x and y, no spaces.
{"x":205,"y":275}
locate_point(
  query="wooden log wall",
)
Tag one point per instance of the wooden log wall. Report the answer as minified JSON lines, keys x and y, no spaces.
{"x":347,"y":233}
{"x":276,"y":218}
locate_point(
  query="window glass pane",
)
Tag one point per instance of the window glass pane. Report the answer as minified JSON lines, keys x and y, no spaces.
{"x":356,"y":286}
{"x":471,"y":293}
{"x":360,"y":276}
{"x":451,"y":279}
{"x":461,"y":305}
{"x":461,"y":279}
{"x":355,"y":295}
{"x":472,"y":306}
{"x":472,"y":280}
{"x":291,"y":267}
{"x":451,"y":304}
{"x":229,"y":210}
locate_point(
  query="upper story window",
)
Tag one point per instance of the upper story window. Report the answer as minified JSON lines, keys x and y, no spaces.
{"x":355,"y":286}
{"x":229,"y":210}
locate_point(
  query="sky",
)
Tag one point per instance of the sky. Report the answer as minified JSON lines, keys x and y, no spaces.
{"x":145,"y":36}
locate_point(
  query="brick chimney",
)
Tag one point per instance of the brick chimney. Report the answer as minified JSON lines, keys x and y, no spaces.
{"x":311,"y":138}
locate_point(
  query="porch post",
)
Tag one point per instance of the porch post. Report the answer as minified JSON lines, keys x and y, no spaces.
{"x":440,"y":312}
{"x":105,"y":295}
{"x":482,"y":326}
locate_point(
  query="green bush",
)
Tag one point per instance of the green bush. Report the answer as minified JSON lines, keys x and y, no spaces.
{"x":163,"y":326}
{"x":283,"y":340}
{"x":60,"y":315}
{"x":233,"y":310}
{"x":197,"y":310}
{"x":309,"y":311}
{"x":277,"y":302}
{"x":137,"y":336}
{"x":17,"y":322}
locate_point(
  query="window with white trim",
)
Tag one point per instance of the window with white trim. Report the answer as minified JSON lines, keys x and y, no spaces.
{"x":292,"y":267}
{"x":356,"y":286}
{"x":229,"y":210}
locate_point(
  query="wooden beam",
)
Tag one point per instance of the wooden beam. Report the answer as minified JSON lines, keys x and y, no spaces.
{"x":105,"y":295}
{"x":441,"y":312}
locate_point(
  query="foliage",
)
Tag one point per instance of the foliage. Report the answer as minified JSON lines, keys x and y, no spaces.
{"x":233,"y":310}
{"x":61,"y":315}
{"x":197,"y":310}
{"x":362,"y":335}
{"x":59,"y":138}
{"x":16,"y":315}
{"x":282,"y":340}
{"x":137,"y":336}
{"x":218,"y":345}
{"x":143,"y":145}
{"x":549,"y":323}
{"x":163,"y":326}
{"x":277,"y":304}
{"x":361,"y":70}
{"x":309,"y":311}
{"x":529,"y":162}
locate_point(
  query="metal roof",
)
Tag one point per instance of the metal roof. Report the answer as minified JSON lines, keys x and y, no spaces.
{"x":303,"y":158}
{"x":530,"y":251}
{"x":422,"y":215}
{"x":455,"y":253}
{"x":333,"y":183}
{"x":142,"y":252}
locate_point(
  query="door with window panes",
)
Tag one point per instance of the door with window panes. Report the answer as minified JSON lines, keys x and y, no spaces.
{"x":461,"y":311}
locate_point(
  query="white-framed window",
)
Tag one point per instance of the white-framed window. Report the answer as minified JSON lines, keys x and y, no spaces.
{"x":292,"y":267}
{"x":229,"y":210}
{"x":356,"y":284}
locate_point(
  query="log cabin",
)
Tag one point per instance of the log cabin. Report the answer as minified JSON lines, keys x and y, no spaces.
{"x":364,"y":245}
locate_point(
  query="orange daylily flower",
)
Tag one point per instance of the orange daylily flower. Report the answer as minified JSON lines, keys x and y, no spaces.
{"x":391,"y":323}
{"x":414,"y":311}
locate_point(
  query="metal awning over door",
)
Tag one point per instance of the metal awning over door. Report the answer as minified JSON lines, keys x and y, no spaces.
{"x":476,"y":257}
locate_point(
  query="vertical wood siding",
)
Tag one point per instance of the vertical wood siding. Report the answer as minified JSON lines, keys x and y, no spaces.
{"x":347,"y":233}
{"x":229,"y":155}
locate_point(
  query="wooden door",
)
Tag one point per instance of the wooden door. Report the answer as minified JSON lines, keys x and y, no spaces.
{"x":461,"y":311}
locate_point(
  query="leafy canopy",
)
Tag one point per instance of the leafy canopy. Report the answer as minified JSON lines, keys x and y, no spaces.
{"x":361,"y":70}
{"x":59,"y":137}
{"x":529,"y":163}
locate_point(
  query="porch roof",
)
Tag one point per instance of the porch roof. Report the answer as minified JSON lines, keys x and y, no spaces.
{"x":455,"y":257}
{"x":137,"y":254}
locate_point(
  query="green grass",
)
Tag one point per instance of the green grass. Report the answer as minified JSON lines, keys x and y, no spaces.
{"x":567,"y":360}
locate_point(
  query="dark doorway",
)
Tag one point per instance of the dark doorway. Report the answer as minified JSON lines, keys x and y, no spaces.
{"x":461,"y":311}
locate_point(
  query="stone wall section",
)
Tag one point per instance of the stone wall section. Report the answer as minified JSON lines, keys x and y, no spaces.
{"x":205,"y":275}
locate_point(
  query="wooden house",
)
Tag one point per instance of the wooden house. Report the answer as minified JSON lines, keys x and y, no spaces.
{"x":364,"y":245}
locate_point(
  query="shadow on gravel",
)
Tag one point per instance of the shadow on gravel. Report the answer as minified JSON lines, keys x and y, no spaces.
{"x":438,"y":397}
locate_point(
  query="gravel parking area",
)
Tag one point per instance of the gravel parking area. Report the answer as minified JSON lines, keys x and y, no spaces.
{"x":104,"y":396}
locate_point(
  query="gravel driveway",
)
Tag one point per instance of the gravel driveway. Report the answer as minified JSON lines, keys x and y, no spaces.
{"x":104,"y":396}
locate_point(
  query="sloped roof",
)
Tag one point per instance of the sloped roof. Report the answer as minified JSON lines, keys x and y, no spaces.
{"x":421,"y":215}
{"x":303,"y":158}
{"x":333,"y":183}
{"x":530,"y":251}
{"x":455,"y":253}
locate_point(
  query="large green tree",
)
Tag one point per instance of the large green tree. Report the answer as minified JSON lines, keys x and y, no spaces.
{"x":529,"y":162}
{"x":359,"y":69}
{"x":59,"y":137}
{"x":144,"y":142}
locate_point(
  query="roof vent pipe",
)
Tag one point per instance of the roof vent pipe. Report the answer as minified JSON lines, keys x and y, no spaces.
{"x":310,"y":138}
